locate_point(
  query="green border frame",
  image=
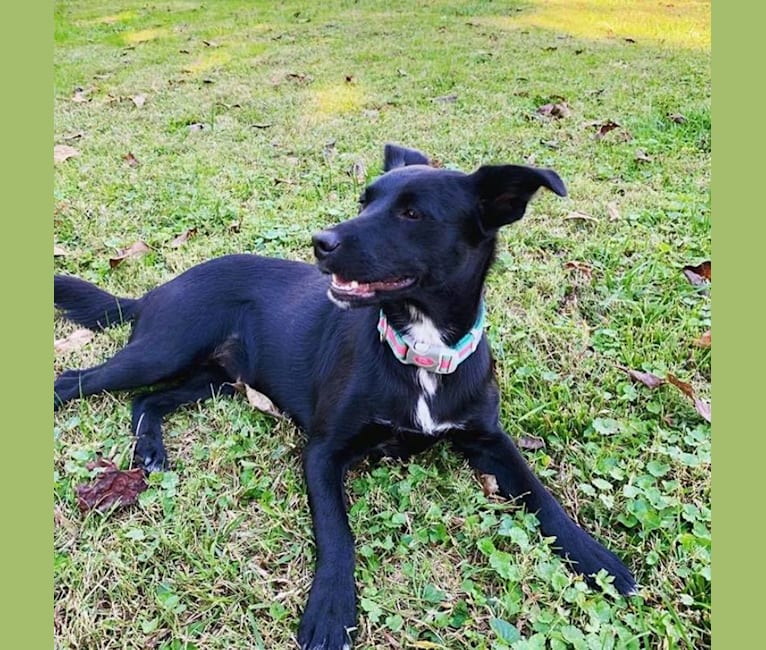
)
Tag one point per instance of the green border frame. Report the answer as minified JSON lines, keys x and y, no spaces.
{"x":738,"y":241}
{"x":26,"y":52}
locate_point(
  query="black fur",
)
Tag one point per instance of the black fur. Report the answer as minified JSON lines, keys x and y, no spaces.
{"x":269,"y":323}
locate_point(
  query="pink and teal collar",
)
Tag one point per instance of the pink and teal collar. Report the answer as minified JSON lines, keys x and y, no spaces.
{"x":440,"y":359}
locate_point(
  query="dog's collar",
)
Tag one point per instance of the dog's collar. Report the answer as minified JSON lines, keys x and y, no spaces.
{"x":440,"y":359}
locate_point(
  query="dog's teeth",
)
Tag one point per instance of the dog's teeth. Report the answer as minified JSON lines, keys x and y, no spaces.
{"x":354,"y":284}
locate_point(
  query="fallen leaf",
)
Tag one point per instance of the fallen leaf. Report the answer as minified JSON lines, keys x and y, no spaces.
{"x":646,"y":378}
{"x":612,"y":211}
{"x":446,"y":99}
{"x":358,"y":171}
{"x":261,"y":126}
{"x":62,"y":152}
{"x":581,"y":215}
{"x":702,"y":407}
{"x":642,"y":156}
{"x":258,"y":401}
{"x":74,"y":341}
{"x":73,"y":136}
{"x":130,"y":159}
{"x":211,"y":43}
{"x":350,"y":79}
{"x":703,"y":341}
{"x":557,"y":111}
{"x":138,"y":100}
{"x":582,"y":267}
{"x":531,"y":442}
{"x":604,"y":128}
{"x":677,"y":118}
{"x":80,"y":95}
{"x":699,"y":274}
{"x":489,"y":484}
{"x":59,"y":251}
{"x":112,"y":487}
{"x":685,"y":388}
{"x":630,"y":40}
{"x":135,"y":250}
{"x":183,"y":238}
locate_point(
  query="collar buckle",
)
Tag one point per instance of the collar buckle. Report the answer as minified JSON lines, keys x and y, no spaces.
{"x":439,"y":359}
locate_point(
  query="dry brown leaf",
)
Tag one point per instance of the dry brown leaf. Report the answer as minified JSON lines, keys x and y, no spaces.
{"x":699,"y":274}
{"x":581,"y":216}
{"x":646,"y":378}
{"x":677,"y":118}
{"x":59,"y":251}
{"x":582,"y":267}
{"x":136,"y":250}
{"x":80,"y":95}
{"x":358,"y":171}
{"x":702,"y":407}
{"x":642,"y":156}
{"x":704,"y":340}
{"x":489,"y":484}
{"x":74,"y":341}
{"x":555,"y":110}
{"x":531,"y":442}
{"x":604,"y":128}
{"x":258,"y":401}
{"x":62,"y":152}
{"x":130,"y":159}
{"x":612,"y":211}
{"x":183,"y":238}
{"x":138,"y":100}
{"x":111,"y":487}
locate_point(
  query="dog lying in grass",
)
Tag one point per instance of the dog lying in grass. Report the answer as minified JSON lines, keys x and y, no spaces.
{"x":378,"y":349}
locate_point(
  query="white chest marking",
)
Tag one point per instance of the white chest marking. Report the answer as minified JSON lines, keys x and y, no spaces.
{"x":422,"y":328}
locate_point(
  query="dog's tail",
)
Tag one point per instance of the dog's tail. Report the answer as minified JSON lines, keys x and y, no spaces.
{"x":87,"y":305}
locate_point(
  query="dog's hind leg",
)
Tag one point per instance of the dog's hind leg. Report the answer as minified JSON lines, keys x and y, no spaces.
{"x":493,"y":452}
{"x":149,"y":409}
{"x":138,"y":364}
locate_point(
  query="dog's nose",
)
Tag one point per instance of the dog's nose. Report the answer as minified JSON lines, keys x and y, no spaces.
{"x":325,"y":242}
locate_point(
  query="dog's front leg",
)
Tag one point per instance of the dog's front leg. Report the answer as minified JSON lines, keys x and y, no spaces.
{"x":493,"y":452}
{"x":330,"y":613}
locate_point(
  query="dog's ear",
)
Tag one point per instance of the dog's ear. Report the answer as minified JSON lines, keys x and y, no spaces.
{"x":505,"y":190}
{"x":395,"y":156}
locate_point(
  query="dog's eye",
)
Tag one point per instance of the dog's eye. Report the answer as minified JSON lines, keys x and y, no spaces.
{"x":410,"y":214}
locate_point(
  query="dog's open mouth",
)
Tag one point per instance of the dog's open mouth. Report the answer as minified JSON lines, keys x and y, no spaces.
{"x":343,"y":288}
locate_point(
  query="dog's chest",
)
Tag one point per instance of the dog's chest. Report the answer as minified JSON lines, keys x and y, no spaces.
{"x":424,"y":412}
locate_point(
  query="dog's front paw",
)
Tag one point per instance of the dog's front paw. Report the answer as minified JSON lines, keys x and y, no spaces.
{"x":589,"y":557}
{"x":150,"y":453}
{"x":328,"y":620}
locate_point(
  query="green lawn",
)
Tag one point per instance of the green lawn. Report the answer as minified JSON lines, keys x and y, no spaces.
{"x":290,"y":96}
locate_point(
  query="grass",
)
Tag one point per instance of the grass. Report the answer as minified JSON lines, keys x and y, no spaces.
{"x":218,"y":553}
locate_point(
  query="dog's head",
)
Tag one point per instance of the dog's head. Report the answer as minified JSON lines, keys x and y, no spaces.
{"x":422,"y":228}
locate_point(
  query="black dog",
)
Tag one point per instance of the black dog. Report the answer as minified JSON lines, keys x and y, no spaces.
{"x":379,"y":350}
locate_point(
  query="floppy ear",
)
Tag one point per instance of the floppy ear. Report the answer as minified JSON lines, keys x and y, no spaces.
{"x":505,"y":190}
{"x":396,"y":156}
